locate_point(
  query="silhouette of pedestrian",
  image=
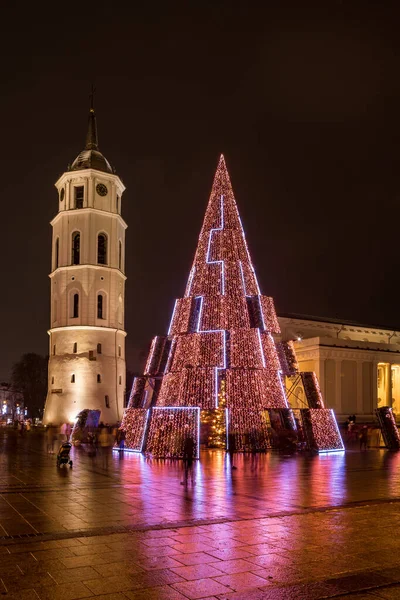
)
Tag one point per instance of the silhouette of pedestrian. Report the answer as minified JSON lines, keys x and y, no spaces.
{"x":188,"y":455}
{"x":231,"y":447}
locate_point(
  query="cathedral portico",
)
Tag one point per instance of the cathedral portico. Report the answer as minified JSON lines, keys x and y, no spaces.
{"x":358,"y":366}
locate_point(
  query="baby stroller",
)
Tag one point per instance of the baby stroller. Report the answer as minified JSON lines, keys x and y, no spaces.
{"x":63,"y":455}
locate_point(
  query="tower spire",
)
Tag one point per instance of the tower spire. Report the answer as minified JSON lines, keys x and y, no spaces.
{"x":91,"y":136}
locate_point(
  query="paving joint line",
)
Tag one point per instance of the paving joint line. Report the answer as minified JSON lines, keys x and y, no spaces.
{"x":112,"y":529}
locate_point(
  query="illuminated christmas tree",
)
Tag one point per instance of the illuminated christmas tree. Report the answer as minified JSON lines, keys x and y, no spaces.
{"x":219,"y":356}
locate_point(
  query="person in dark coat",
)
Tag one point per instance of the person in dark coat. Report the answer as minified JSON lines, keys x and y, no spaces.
{"x":188,"y":455}
{"x":231,"y":447}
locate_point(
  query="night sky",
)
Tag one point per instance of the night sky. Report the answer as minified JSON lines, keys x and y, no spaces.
{"x":302,"y":98}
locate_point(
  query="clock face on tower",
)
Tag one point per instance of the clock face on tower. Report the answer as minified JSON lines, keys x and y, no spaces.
{"x":101,"y":189}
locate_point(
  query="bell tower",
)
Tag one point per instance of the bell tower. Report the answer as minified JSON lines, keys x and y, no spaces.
{"x":87,"y":335}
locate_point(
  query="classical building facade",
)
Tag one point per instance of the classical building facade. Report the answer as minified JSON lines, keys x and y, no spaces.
{"x":87,"y":335}
{"x":358,"y":366}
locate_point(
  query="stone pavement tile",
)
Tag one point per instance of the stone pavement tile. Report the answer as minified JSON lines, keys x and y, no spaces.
{"x":22,"y":595}
{"x":88,"y":561}
{"x":32,"y":546}
{"x":197,"y":572}
{"x":116,"y":596}
{"x":269,"y":560}
{"x":155,"y":593}
{"x":229,"y":553}
{"x":155,"y":533}
{"x":258,"y":549}
{"x":361,"y":596}
{"x":149,"y":563}
{"x":201,"y":588}
{"x":195,"y":558}
{"x":69,"y":543}
{"x":156,"y":578}
{"x":191,"y":529}
{"x":195,"y":547}
{"x":107,"y":585}
{"x":93,"y":549}
{"x":241,"y":581}
{"x":280,"y":575}
{"x":392,"y":573}
{"x":117,"y":568}
{"x":307,"y":591}
{"x":226,"y":543}
{"x":140,"y":580}
{"x":163,"y":551}
{"x":40,"y":566}
{"x":387,"y":593}
{"x":77,"y":574}
{"x":27,"y":581}
{"x":65,"y":591}
{"x":360,"y":581}
{"x":8,"y":560}
{"x":256,"y":595}
{"x":165,"y":541}
{"x":53,"y":553}
{"x":238,"y":565}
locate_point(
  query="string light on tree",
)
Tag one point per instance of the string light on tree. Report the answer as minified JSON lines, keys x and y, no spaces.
{"x":219,"y":357}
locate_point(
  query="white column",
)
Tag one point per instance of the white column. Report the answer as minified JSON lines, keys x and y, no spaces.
{"x":338,"y":385}
{"x":321,"y":375}
{"x":388,"y":380}
{"x":374,"y":385}
{"x":360,"y":407}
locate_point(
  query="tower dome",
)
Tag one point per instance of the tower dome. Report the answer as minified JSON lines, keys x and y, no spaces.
{"x":91,"y":157}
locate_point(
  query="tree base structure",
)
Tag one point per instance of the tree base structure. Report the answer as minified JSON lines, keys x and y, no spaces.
{"x":161,"y":432}
{"x":219,"y":375}
{"x":390,"y":431}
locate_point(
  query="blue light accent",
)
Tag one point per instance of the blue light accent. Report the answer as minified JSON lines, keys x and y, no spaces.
{"x":227,"y":427}
{"x":189,"y":285}
{"x":172,"y":318}
{"x":243,"y":281}
{"x":261,"y":348}
{"x":221,"y":262}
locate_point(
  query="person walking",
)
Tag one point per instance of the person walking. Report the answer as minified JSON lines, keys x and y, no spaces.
{"x":231,"y":448}
{"x":50,"y":439}
{"x":105,"y":444}
{"x":188,"y":455}
{"x":364,"y":437}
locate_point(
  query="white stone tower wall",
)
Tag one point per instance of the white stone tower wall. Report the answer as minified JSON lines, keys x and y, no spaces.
{"x":87,"y":354}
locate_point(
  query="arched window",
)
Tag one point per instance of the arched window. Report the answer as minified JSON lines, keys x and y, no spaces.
{"x":75,"y":307}
{"x":98,"y":378}
{"x":73,"y":378}
{"x":117,"y":204}
{"x":75,"y":347}
{"x":98,"y":348}
{"x":120,"y":255}
{"x":107,"y":401}
{"x":76,"y":248}
{"x":79,"y":195}
{"x":100,"y":307}
{"x":102,"y":249}
{"x":56,"y":253}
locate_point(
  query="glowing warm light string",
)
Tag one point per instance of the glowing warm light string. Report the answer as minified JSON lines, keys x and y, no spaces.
{"x":219,"y":354}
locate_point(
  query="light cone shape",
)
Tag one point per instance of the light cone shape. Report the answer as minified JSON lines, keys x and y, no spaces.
{"x":220,"y":352}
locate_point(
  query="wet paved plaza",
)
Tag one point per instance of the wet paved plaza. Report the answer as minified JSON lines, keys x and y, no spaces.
{"x":117,"y":527}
